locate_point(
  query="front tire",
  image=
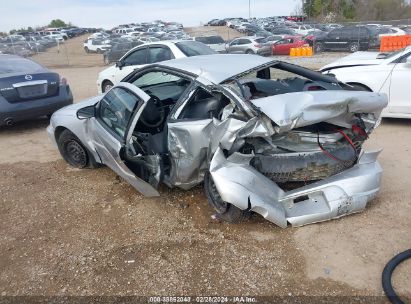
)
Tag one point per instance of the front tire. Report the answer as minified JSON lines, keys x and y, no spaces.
{"x":87,"y":50}
{"x":225,"y":211}
{"x":72,"y":150}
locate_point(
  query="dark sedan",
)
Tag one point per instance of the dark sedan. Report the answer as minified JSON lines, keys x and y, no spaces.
{"x":29,"y":90}
{"x":118,"y":50}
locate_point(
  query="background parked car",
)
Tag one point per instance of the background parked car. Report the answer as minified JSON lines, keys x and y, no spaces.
{"x":351,"y":38}
{"x":283,"y":46}
{"x":217,"y":43}
{"x":149,"y":53}
{"x":95,"y":45}
{"x":249,"y":45}
{"x":118,"y":50}
{"x":29,"y":90}
{"x":383,"y":73}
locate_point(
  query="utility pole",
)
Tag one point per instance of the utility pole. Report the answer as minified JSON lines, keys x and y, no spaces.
{"x":249,"y":9}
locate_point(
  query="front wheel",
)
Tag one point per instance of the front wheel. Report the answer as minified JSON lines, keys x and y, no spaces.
{"x":318,"y":48}
{"x":87,"y":50}
{"x":225,"y":211}
{"x":72,"y":150}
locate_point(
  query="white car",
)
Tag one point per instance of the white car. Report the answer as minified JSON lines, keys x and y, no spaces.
{"x":383,"y":73}
{"x":303,"y":29}
{"x":142,"y":55}
{"x":95,"y":45}
{"x":56,"y":35}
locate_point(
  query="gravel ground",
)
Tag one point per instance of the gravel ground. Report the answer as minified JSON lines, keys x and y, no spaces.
{"x":65,"y":231}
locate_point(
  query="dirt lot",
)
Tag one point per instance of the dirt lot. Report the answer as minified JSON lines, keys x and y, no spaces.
{"x":85,"y":232}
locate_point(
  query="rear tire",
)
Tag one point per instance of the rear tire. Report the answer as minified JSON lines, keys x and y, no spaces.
{"x":249,"y":52}
{"x":87,"y":50}
{"x":72,"y":150}
{"x":318,"y":48}
{"x":225,"y":211}
{"x":354,"y":47}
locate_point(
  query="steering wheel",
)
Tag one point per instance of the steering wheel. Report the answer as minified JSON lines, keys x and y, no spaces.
{"x":154,"y":113}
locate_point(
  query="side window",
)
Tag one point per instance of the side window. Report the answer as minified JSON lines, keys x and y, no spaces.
{"x":334,"y":34}
{"x":162,"y":85}
{"x":158,"y":54}
{"x":137,"y":57}
{"x":244,"y":41}
{"x":116,"y":109}
{"x":235,"y":42}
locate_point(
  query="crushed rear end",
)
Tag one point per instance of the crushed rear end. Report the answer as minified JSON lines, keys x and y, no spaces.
{"x":300,"y":160}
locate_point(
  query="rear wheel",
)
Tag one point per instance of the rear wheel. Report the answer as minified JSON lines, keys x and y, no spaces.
{"x":72,"y":150}
{"x":354,"y":47}
{"x":225,"y":211}
{"x":99,"y":51}
{"x":318,"y":48}
{"x":86,"y":49}
{"x":249,"y":52}
{"x":107,"y":85}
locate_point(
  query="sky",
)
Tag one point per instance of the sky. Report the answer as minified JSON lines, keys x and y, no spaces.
{"x":109,"y":13}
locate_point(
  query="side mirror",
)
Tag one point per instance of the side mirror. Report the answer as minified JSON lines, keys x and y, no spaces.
{"x":119,"y":64}
{"x":86,"y":112}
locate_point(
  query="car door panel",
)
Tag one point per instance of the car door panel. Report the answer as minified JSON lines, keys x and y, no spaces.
{"x":400,"y":89}
{"x":110,"y":148}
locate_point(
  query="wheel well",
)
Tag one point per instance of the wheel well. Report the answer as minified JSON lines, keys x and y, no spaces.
{"x":104,"y":83}
{"x":366,"y":88}
{"x":58,"y":132}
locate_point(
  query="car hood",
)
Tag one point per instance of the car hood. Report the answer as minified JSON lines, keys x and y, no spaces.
{"x":295,"y":110}
{"x":73,"y":108}
{"x":358,"y":58}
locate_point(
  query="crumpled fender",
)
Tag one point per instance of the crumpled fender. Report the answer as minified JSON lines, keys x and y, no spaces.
{"x":243,"y":186}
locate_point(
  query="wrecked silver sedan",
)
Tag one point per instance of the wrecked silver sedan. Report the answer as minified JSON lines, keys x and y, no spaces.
{"x":263,"y":136}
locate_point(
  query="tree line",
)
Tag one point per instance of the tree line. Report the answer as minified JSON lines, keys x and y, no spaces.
{"x":357,"y":10}
{"x":58,"y":23}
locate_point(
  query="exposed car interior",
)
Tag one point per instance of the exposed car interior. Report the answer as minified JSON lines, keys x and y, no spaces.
{"x":204,"y":105}
{"x":149,"y":148}
{"x":273,"y":81}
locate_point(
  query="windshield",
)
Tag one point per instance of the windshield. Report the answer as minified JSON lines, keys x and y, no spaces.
{"x":210,"y":40}
{"x":14,"y":65}
{"x":194,"y":48}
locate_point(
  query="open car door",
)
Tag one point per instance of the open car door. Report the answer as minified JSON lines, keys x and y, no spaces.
{"x":111,"y":130}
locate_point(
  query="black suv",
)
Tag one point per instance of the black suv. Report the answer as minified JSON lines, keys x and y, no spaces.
{"x":351,"y":38}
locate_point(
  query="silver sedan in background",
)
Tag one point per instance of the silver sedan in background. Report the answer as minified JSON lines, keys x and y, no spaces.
{"x":249,"y":45}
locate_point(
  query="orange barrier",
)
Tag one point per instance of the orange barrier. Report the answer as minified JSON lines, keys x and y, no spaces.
{"x":394,"y":43}
{"x":301,"y":52}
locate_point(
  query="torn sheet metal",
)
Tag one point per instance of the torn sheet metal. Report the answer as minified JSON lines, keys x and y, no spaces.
{"x":347,"y":192}
{"x":295,"y":110}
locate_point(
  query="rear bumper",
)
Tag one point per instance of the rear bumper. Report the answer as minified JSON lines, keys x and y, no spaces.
{"x":348,"y":192}
{"x":34,"y":108}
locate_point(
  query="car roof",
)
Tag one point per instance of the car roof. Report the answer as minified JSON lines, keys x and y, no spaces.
{"x":219,"y":67}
